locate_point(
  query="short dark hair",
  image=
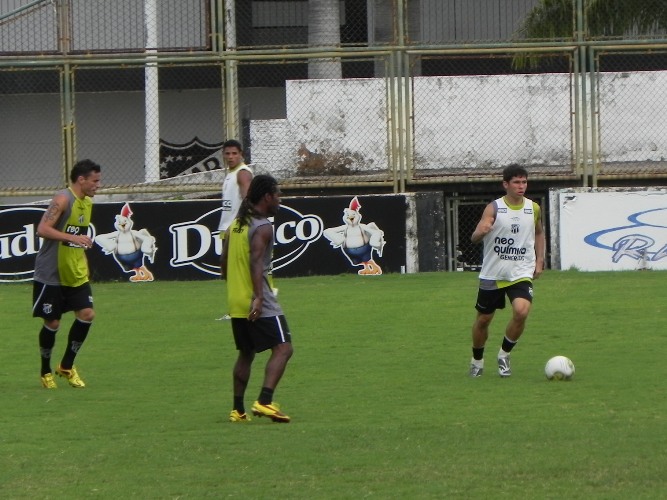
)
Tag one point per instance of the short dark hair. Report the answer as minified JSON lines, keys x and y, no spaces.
{"x":514,"y":170}
{"x":83,"y":168}
{"x":232,"y":143}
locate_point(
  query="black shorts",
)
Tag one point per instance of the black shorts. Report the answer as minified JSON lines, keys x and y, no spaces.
{"x":52,"y":301}
{"x":490,"y":300}
{"x":260,"y":335}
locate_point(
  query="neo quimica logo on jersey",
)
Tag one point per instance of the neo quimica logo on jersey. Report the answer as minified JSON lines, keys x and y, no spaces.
{"x":19,"y":242}
{"x":195,"y":244}
{"x":506,"y":250}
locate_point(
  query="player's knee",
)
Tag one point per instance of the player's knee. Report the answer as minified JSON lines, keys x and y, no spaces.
{"x":521,"y":314}
{"x":52,"y":324}
{"x":483,"y":320}
{"x":87,"y":315}
{"x":246,"y":357}
{"x":285,"y":349}
{"x":520,"y":308}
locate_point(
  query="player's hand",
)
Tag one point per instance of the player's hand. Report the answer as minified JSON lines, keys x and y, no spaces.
{"x":83,"y":241}
{"x":255,"y":310}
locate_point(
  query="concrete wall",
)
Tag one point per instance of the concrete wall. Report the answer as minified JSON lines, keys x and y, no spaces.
{"x":461,"y":124}
{"x":466,"y":123}
{"x":633,"y":116}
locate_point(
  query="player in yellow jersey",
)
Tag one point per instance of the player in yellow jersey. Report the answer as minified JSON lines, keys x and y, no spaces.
{"x":61,"y":271}
{"x":234,"y":186}
{"x":514,"y":245}
{"x":258,"y":322}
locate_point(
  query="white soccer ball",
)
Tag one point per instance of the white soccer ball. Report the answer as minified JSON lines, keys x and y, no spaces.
{"x":559,"y":368}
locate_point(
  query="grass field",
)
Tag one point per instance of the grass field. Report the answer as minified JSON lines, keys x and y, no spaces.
{"x":378,"y":392}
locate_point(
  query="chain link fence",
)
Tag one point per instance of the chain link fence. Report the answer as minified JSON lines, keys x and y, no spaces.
{"x":387,"y":95}
{"x":631,"y":109}
{"x":522,"y":118}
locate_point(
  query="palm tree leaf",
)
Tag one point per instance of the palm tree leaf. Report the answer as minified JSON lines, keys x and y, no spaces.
{"x":554,"y":19}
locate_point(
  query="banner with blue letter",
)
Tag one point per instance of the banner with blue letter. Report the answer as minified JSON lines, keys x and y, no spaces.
{"x":612,"y":229}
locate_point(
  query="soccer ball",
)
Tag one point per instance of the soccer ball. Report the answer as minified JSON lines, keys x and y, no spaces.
{"x":559,"y":368}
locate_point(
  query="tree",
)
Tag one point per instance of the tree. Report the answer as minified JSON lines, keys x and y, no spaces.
{"x":556,"y":19}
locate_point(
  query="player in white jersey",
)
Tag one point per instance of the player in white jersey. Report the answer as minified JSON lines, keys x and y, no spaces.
{"x":236,"y":183}
{"x":514,"y":246}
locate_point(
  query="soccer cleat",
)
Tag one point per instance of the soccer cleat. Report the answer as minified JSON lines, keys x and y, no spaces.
{"x":235,"y":416}
{"x":48,"y":382}
{"x":271,"y":410}
{"x":72,"y":377}
{"x":476,"y":371}
{"x":504,"y":368}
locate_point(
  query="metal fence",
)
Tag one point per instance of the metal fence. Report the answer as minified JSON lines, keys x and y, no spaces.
{"x":386,"y":94}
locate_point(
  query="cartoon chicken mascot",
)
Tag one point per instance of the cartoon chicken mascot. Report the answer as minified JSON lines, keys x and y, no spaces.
{"x":129,"y":247}
{"x":356,"y":240}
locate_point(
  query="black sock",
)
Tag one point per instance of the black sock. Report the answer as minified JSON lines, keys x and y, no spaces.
{"x":77,"y":336}
{"x":478,"y":353}
{"x":238,"y":404}
{"x":265,"y":396}
{"x":47,"y":339}
{"x":508,"y":345}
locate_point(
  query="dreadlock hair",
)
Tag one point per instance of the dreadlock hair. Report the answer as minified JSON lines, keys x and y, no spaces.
{"x":259,"y":186}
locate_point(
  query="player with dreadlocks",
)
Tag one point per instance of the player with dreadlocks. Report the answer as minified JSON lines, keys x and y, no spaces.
{"x":258,"y":322}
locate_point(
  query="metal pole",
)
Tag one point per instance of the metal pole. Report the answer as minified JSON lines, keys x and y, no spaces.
{"x":451,"y":230}
{"x":392,"y":149}
{"x":595,"y":115}
{"x":66,"y":88}
{"x":216,"y":25}
{"x":232,"y":127}
{"x":576,"y":112}
{"x":583,"y":108}
{"x":409,"y":124}
{"x":151,"y":96}
{"x":401,"y":84}
{"x":67,"y":120}
{"x":219,"y":36}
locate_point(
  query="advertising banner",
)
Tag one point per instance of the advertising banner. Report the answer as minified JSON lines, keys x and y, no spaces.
{"x":613,"y":230}
{"x":179,"y":240}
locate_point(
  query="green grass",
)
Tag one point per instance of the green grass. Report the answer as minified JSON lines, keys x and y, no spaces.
{"x":377,"y":389}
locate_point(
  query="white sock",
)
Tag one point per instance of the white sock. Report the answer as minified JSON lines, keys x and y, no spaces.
{"x":503,"y":354}
{"x":479,"y":363}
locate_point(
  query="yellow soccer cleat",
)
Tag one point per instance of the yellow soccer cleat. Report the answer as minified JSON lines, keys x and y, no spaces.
{"x":48,"y":382}
{"x":235,"y":416}
{"x":271,"y":410}
{"x":72,"y":377}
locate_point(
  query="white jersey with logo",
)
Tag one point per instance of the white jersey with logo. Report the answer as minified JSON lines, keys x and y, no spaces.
{"x":231,"y":196}
{"x":509,"y":248}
